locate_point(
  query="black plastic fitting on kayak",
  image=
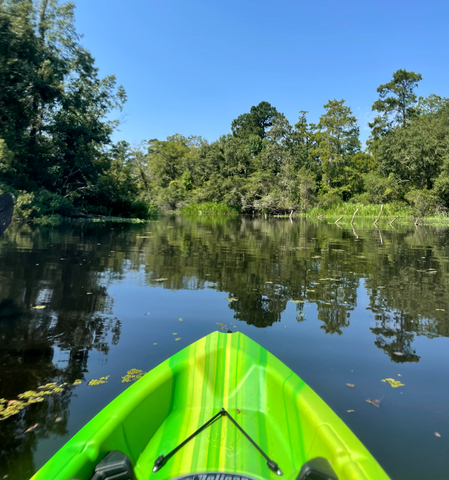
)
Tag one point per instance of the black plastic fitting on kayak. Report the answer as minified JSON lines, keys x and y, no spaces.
{"x":114,"y":466}
{"x":274,"y":467}
{"x":317,"y":469}
{"x":158,"y":463}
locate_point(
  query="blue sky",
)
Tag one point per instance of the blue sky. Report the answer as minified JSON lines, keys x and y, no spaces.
{"x":191,"y":67}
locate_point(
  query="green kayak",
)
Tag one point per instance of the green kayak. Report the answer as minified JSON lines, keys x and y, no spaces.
{"x":223,"y":408}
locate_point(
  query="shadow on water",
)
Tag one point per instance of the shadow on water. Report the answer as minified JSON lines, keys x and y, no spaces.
{"x":261,"y":265}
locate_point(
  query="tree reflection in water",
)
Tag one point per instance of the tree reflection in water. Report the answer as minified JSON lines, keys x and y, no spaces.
{"x":263,"y":263}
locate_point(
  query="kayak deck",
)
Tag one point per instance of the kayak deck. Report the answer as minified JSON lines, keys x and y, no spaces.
{"x":288,"y":421}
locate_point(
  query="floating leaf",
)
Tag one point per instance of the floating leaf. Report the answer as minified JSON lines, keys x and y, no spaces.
{"x":180,"y":320}
{"x":218,"y":323}
{"x":269,"y":282}
{"x":160,"y":279}
{"x":132,"y":375}
{"x":32,"y":428}
{"x":39,"y":307}
{"x":147,"y":313}
{"x":437,"y":435}
{"x":174,"y":334}
{"x":394,"y":383}
{"x":376,"y":402}
{"x":177,"y":339}
{"x":58,"y":419}
{"x":231,"y":299}
{"x":77,"y":382}
{"x":350,"y":385}
{"x":89,"y":293}
{"x":399,"y":354}
{"x":100,"y":381}
{"x":31,"y":396}
{"x":351,"y":411}
{"x":296,"y":301}
{"x":154,"y":343}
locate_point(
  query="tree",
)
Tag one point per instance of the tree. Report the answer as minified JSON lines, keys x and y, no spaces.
{"x":54,"y":108}
{"x":253,"y":126}
{"x":415,"y":154}
{"x":167,"y":160}
{"x":432,"y":104}
{"x":396,"y":104}
{"x":337,"y":139}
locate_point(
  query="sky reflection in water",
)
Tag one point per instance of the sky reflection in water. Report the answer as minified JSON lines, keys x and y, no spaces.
{"x":337,"y":305}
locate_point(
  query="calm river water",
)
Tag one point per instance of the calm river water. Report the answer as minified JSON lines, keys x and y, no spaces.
{"x":370,"y":304}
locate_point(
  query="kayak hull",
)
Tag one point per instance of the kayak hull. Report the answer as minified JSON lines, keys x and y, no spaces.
{"x":282,"y":414}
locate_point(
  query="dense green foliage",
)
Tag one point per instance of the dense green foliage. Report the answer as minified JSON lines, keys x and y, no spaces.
{"x":57,"y":157}
{"x":55,"y":139}
{"x":209,"y":208}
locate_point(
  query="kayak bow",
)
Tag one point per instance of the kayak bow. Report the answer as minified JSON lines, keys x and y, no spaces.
{"x":216,"y":410}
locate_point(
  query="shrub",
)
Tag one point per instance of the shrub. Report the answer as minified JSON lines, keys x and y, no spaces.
{"x":209,"y":208}
{"x":329,"y":200}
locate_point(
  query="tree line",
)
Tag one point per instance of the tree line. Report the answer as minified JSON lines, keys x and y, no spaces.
{"x":57,"y":155}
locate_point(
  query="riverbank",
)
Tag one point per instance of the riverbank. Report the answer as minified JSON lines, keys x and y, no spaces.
{"x":342,"y":213}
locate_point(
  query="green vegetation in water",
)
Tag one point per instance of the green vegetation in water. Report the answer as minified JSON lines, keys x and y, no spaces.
{"x":347,"y":209}
{"x":209,"y":208}
{"x":23,"y":400}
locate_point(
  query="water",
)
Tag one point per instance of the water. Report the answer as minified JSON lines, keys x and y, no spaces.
{"x":375,"y":306}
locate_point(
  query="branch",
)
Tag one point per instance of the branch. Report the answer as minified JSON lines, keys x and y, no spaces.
{"x":352,"y":221}
{"x":381,"y":207}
